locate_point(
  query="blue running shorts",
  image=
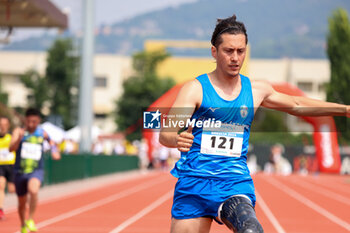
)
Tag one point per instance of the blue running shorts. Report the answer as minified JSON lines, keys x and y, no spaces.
{"x":196,"y":197}
{"x":21,"y":180}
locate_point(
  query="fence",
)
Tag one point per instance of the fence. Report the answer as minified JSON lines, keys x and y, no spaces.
{"x":73,"y":167}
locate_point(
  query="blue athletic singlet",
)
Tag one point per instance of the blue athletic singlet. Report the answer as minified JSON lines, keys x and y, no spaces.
{"x":30,"y":152}
{"x":220,"y":153}
{"x":215,"y":168}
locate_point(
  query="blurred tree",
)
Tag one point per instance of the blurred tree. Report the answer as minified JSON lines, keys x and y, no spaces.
{"x":287,"y":139}
{"x":62,"y":77}
{"x":270,"y":127}
{"x":38,"y":86}
{"x":13,"y":116}
{"x":267,"y":120}
{"x":59,"y":87}
{"x":3,"y":95}
{"x":338,"y":50}
{"x":140,"y":90}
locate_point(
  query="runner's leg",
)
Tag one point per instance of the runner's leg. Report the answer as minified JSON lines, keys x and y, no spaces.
{"x":238,"y":214}
{"x":193,"y":225}
{"x":2,"y":190}
{"x":33,"y":189}
{"x":11,"y":187}
{"x":22,"y":201}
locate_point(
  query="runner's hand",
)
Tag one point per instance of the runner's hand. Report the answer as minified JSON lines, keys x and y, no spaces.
{"x":184,"y":140}
{"x":55,"y":155}
{"x":18,"y":133}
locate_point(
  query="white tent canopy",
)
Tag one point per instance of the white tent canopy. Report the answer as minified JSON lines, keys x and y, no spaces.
{"x":58,"y":135}
{"x":75,"y":133}
{"x":55,"y":133}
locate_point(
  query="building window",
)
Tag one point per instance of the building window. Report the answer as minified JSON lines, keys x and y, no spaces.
{"x":30,"y":99}
{"x":322,"y":87}
{"x":100,"y":82}
{"x":305,"y":86}
{"x":100,"y":115}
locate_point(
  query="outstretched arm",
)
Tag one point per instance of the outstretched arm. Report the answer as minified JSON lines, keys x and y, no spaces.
{"x":298,"y":105}
{"x":185,"y":104}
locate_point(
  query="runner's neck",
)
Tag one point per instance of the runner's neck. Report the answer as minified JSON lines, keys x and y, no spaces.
{"x":229,"y":87}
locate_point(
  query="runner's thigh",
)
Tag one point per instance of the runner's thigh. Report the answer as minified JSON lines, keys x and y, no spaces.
{"x":193,"y":225}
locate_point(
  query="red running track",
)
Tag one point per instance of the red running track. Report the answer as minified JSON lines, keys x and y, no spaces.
{"x":284,"y":204}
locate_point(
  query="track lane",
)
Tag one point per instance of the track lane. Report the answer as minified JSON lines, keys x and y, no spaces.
{"x":327,"y":206}
{"x":293,"y":215}
{"x":143,"y":212}
{"x":270,"y":216}
{"x":156,"y":221}
{"x":335,"y":183}
{"x":300,"y":181}
{"x":108,"y":215}
{"x":52,"y":209}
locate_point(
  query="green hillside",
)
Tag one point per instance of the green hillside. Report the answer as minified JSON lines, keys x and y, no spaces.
{"x":276,"y":28}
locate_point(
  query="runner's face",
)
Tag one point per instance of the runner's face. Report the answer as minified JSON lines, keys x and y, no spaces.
{"x":32,"y":122}
{"x":4,"y":126}
{"x":230,"y":54}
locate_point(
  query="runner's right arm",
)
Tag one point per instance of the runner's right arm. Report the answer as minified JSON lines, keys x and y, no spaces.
{"x":189,"y":97}
{"x":17,"y":136}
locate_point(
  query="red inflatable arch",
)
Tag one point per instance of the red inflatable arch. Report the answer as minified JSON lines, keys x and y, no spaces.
{"x":325,"y":136}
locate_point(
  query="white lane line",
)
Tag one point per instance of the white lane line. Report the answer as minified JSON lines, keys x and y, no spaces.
{"x":322,"y":191}
{"x":143,"y":212}
{"x":330,"y":184}
{"x":101,"y":202}
{"x":269,"y":213}
{"x":309,"y":203}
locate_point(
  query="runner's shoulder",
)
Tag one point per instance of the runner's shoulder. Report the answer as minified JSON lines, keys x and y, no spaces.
{"x":190,"y":94}
{"x":261,"y":86}
{"x":258,"y":83}
{"x":192,"y":88}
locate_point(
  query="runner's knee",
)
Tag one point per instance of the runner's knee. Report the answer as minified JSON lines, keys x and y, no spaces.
{"x":238,"y":214}
{"x":34,"y":186}
{"x":251,"y":225}
{"x":22,"y":201}
{"x":2,"y":183}
{"x":11,"y":188}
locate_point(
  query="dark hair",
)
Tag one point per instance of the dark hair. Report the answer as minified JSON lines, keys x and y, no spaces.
{"x":5,"y":117}
{"x":228,"y":25}
{"x":33,"y":112}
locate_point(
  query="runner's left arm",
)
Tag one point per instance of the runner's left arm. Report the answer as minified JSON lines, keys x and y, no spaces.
{"x":55,"y":153}
{"x":299,"y":105}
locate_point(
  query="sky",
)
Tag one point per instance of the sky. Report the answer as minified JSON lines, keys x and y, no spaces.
{"x":107,"y":12}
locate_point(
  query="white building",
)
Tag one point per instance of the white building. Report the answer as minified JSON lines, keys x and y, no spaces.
{"x":109,"y":72}
{"x":309,"y":75}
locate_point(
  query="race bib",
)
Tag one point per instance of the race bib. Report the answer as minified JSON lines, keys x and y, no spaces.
{"x":31,"y":151}
{"x":226,"y":140}
{"x":6,"y":155}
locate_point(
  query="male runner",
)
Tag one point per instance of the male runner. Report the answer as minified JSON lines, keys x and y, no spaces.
{"x":213,"y":177}
{"x":7,"y":160}
{"x":29,"y":165}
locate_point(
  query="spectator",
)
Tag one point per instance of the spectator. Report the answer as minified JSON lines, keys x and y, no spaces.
{"x":277,"y":163}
